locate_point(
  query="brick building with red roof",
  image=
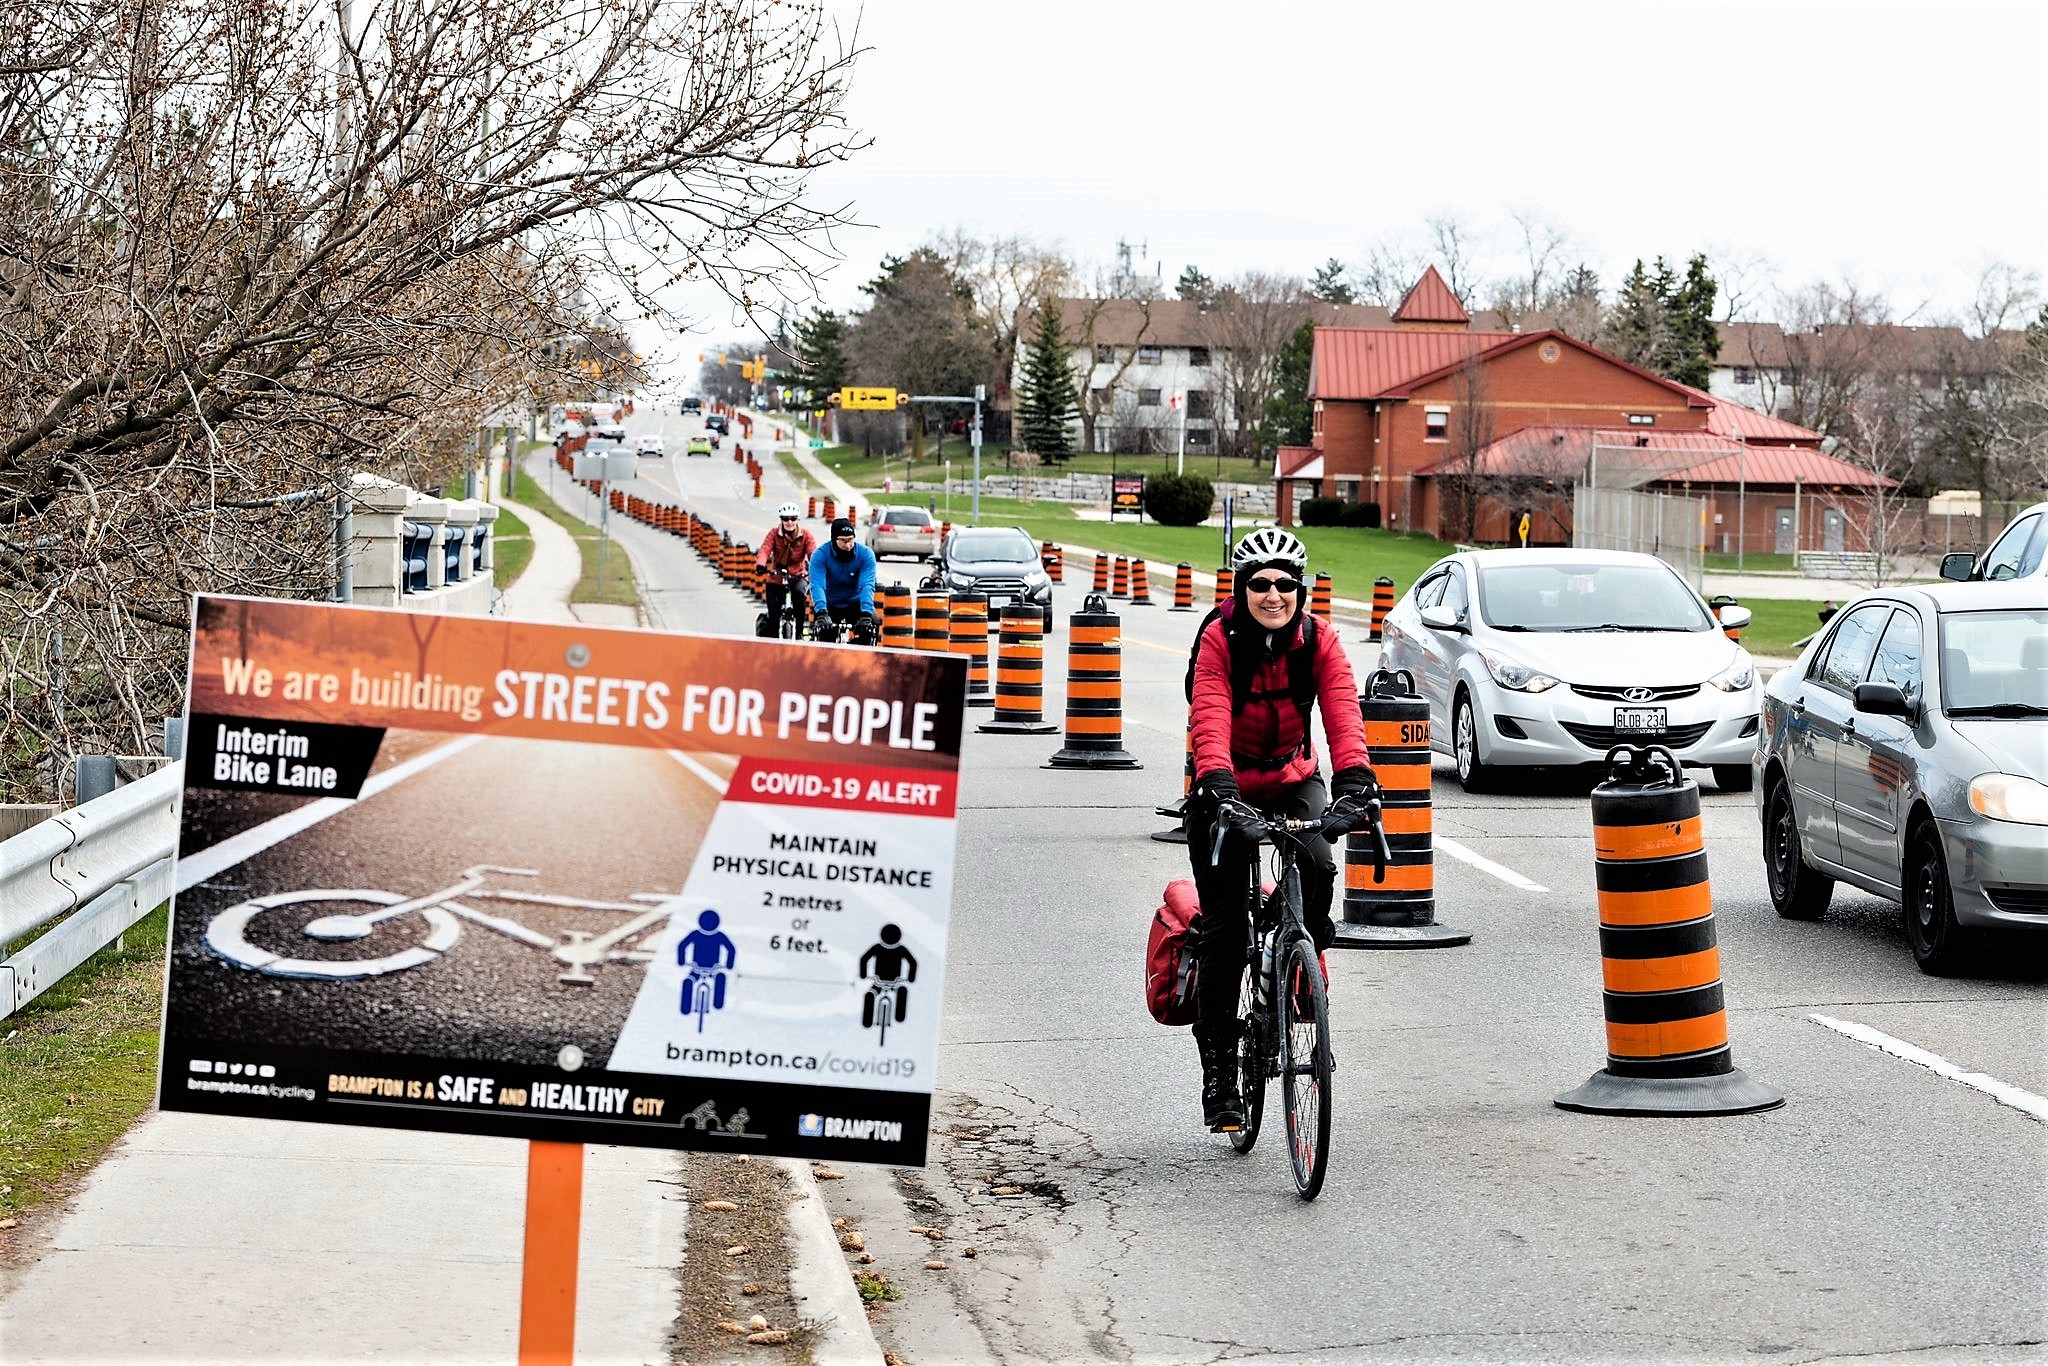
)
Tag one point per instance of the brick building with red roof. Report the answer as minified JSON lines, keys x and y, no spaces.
{"x":1411,"y":415}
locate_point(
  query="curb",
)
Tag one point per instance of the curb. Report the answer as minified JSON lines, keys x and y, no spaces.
{"x":819,"y":1281}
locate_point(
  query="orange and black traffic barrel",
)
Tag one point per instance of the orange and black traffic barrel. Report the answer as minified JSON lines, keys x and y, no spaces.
{"x":1399,"y":910}
{"x":1183,"y":588}
{"x":1120,"y":578}
{"x":1660,"y":960}
{"x":811,"y":506}
{"x":830,"y":511}
{"x":969,"y":622}
{"x":898,"y":631}
{"x":1095,"y":691}
{"x":933,"y":626}
{"x":1141,"y":584}
{"x":1382,"y":603}
{"x":1020,"y":673}
{"x":1319,"y":599}
{"x":1100,"y":586}
{"x":1055,"y":563}
{"x":1225,"y":584}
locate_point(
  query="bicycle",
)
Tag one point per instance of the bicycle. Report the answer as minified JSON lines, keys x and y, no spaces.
{"x":442,"y":913}
{"x":704,"y":981}
{"x":1285,"y":1021}
{"x":882,"y":1000}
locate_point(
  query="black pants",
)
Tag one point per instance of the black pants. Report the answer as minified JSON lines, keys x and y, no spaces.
{"x":775,"y":594}
{"x":1222,"y":889}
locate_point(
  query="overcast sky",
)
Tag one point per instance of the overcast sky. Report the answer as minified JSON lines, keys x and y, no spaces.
{"x":1901,"y":146}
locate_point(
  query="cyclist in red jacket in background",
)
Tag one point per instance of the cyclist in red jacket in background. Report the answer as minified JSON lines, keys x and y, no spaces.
{"x":1249,"y":712}
{"x":784,"y":558}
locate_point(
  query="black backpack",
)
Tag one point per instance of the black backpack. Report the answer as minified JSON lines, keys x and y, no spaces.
{"x":1301,"y":666}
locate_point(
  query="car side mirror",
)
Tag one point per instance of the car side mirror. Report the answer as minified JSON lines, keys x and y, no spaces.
{"x":1437,"y":618}
{"x":1733,"y":617}
{"x":1958,"y":566}
{"x":1884,"y":699}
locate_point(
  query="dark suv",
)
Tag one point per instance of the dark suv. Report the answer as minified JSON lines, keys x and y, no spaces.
{"x":1000,"y":561}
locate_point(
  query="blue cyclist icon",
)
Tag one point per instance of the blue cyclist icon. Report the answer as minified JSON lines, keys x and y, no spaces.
{"x":706,"y":952}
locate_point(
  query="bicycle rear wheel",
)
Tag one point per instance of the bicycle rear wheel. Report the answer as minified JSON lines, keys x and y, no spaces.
{"x":1251,"y":1065}
{"x":1305,"y":1066}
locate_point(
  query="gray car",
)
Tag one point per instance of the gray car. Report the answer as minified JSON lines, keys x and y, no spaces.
{"x":1906,"y":753}
{"x":902,"y":531}
{"x":2020,"y":552}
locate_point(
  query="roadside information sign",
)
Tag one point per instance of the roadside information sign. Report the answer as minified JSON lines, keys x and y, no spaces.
{"x":1127,"y":494}
{"x":559,"y":882}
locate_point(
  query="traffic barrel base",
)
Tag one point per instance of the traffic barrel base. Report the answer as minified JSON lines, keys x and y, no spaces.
{"x":1179,"y":810}
{"x":1660,"y":959}
{"x":1399,"y":911}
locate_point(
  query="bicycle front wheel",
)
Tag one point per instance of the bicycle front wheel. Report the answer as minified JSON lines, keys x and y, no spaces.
{"x":1305,"y":1066}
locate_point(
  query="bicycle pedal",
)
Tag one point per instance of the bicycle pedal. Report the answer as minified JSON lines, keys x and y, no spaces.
{"x":1227,"y":1129}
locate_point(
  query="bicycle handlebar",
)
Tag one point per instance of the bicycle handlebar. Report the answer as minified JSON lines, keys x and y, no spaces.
{"x":1345,"y":815}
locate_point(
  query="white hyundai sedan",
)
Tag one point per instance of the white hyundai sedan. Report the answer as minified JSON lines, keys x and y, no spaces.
{"x":1552,"y":657}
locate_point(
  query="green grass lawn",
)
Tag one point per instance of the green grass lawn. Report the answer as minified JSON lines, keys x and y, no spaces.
{"x":1753,"y":562}
{"x":511,"y":547}
{"x":1777,"y":623}
{"x":77,"y":1066}
{"x":618,"y":587}
{"x":867,"y":471}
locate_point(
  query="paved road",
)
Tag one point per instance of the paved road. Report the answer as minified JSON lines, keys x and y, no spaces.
{"x":1883,"y":1211}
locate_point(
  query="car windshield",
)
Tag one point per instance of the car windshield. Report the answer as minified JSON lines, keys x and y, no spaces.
{"x":1588,"y":597}
{"x":906,"y":517}
{"x":980,"y":547}
{"x":1995,"y":663}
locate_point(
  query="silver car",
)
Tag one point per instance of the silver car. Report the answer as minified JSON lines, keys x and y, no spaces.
{"x":903,"y":531}
{"x":1553,"y":657}
{"x":2020,"y":552}
{"x":1907,"y":754}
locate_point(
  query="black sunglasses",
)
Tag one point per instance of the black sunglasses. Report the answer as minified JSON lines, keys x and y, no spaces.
{"x":1263,"y":585}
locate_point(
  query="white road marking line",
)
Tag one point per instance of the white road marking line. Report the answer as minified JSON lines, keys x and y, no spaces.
{"x":253,"y":841}
{"x":2005,"y":1093}
{"x":716,"y":783}
{"x":1487,"y":865}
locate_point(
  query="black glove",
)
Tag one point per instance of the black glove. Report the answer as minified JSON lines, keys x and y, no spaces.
{"x":823,"y":628}
{"x":1217,"y":785}
{"x":1352,"y":782}
{"x":865,"y":627}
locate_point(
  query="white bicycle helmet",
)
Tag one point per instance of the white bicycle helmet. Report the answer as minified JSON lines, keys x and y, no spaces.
{"x":1270,"y":545}
{"x":789,"y":510}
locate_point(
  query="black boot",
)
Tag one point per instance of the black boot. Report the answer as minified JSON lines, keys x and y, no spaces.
{"x":1222,"y":1106}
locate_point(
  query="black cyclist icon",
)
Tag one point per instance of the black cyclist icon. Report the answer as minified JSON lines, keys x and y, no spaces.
{"x":705,"y":952}
{"x":891,"y":966}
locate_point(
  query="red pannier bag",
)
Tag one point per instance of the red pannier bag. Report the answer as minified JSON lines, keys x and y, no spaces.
{"x":1170,"y":955}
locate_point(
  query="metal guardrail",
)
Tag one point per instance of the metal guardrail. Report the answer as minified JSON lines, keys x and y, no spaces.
{"x":94,"y":870}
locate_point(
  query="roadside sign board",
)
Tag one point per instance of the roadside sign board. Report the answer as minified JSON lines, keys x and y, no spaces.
{"x":1127,"y":494}
{"x":554,"y":882}
{"x":868,"y":398}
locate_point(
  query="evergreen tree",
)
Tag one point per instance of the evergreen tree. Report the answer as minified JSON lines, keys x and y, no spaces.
{"x":1695,"y":339}
{"x":1046,"y":399}
{"x":1287,"y":411}
{"x":1664,"y":325}
{"x":1329,"y":285}
{"x":819,"y":355}
{"x":1195,"y":287}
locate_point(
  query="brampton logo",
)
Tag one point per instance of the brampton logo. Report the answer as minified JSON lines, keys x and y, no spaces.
{"x":810,"y":1126}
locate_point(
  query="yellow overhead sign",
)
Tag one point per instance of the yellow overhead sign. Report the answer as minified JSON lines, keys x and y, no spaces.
{"x":869,"y":398}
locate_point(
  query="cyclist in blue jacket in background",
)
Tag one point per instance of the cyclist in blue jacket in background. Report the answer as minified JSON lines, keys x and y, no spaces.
{"x":843,"y":586}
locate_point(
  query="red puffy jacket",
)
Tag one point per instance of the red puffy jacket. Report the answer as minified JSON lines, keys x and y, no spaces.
{"x":1265,"y":743}
{"x":785,"y":557}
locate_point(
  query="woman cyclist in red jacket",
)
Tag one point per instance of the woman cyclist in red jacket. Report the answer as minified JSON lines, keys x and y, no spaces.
{"x":1252,"y":744}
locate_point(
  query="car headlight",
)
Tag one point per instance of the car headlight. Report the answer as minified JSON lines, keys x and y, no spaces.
{"x":2010,"y":797}
{"x":1737,"y":676}
{"x":1513,"y":674}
